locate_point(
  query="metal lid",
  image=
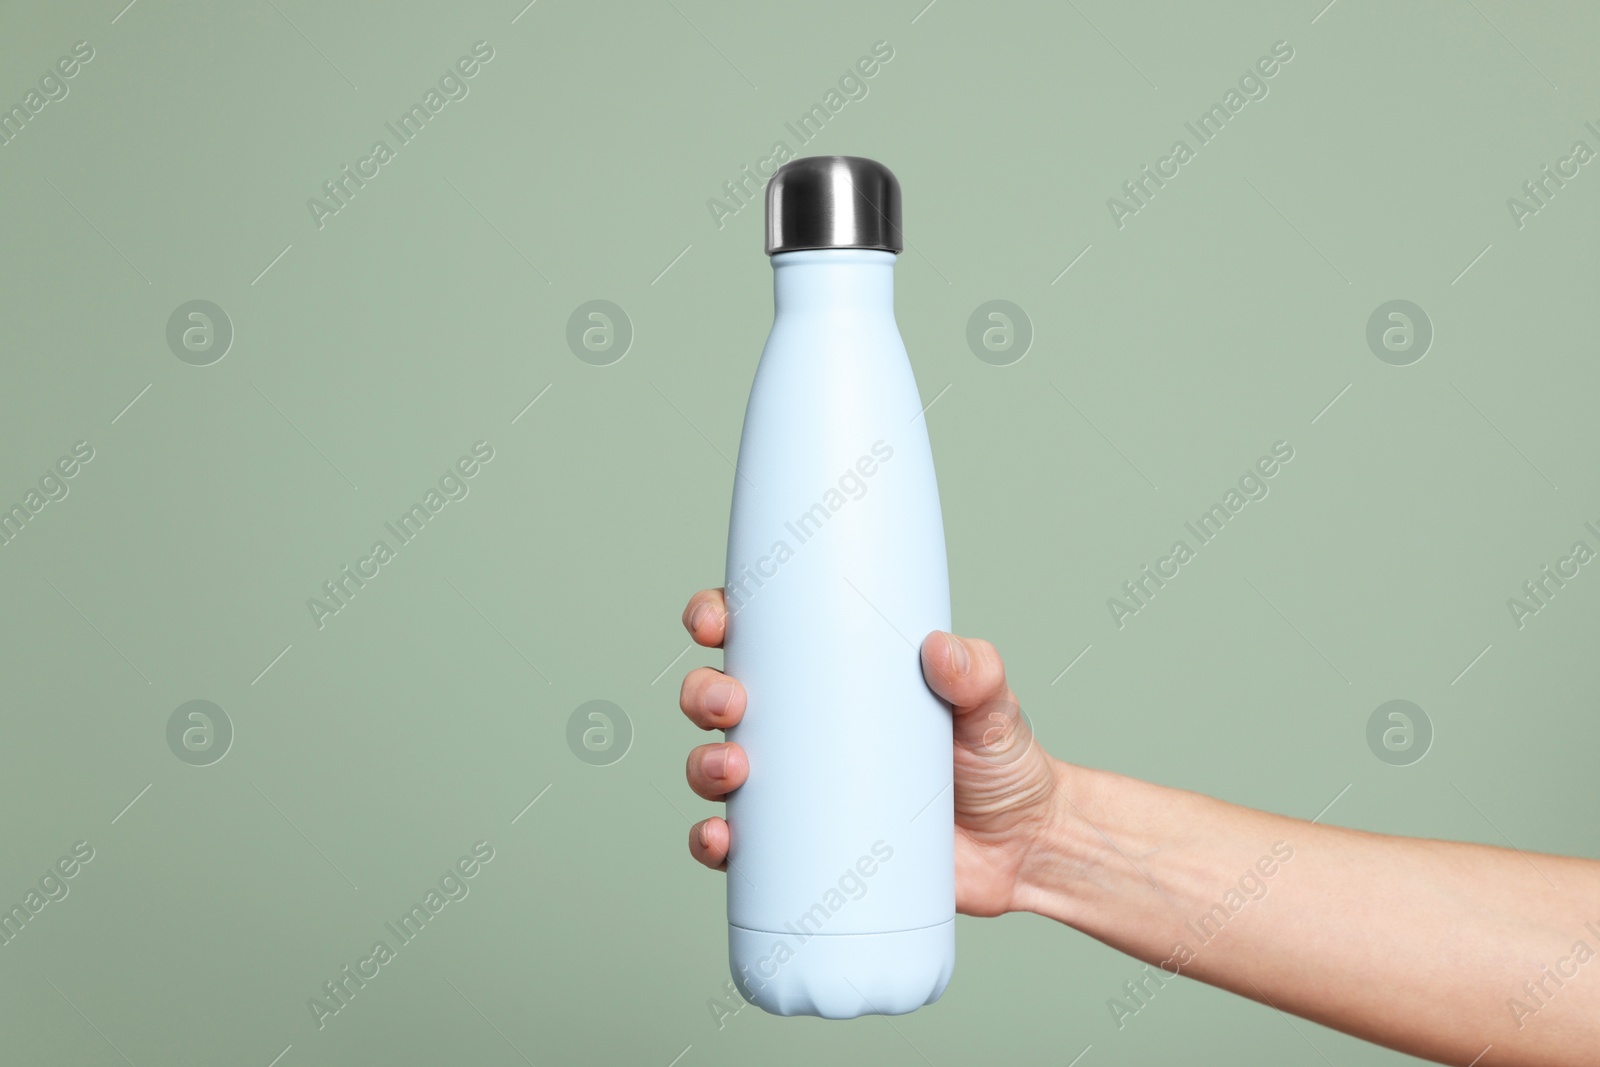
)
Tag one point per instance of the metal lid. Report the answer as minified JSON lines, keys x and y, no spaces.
{"x":833,"y":202}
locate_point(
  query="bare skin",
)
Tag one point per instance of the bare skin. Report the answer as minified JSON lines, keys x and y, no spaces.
{"x":1459,"y":953}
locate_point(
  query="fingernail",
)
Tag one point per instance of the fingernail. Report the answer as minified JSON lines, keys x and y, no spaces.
{"x":699,"y":615}
{"x":959,"y":660}
{"x":718,"y":697}
{"x":716,"y":762}
{"x":705,"y":835}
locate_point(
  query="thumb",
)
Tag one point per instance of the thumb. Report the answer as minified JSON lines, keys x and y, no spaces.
{"x":969,"y":673}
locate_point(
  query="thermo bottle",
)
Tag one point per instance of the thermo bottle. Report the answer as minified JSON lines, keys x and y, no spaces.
{"x":841,"y":880}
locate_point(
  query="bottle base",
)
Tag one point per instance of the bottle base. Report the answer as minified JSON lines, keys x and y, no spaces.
{"x":842,"y":976}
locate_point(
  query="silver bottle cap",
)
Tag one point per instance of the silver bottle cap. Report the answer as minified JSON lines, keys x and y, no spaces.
{"x":833,"y":202}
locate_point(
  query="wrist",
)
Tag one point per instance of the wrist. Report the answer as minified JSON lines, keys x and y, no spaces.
{"x":1063,"y":849}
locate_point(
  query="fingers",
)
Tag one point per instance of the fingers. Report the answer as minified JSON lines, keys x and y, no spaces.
{"x":708,"y":842}
{"x":706,"y":617}
{"x":711,"y":699}
{"x":714,"y":771}
{"x":966,"y":671}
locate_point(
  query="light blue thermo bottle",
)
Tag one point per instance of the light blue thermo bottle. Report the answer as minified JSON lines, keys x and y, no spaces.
{"x":841,"y":880}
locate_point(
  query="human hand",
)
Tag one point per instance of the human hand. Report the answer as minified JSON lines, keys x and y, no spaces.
{"x":1005,"y":784}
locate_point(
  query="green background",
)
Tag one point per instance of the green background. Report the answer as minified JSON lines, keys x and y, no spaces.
{"x":427,"y":314}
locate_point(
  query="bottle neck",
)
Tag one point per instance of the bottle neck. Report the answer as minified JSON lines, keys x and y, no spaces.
{"x":833,"y":279}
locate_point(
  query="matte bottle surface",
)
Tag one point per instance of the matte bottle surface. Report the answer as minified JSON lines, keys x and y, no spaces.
{"x":841,"y":888}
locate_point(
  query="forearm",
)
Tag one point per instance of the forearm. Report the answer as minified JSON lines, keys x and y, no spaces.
{"x":1420,"y":945}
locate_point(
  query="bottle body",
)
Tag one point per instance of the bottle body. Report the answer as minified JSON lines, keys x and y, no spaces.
{"x":841,"y":883}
